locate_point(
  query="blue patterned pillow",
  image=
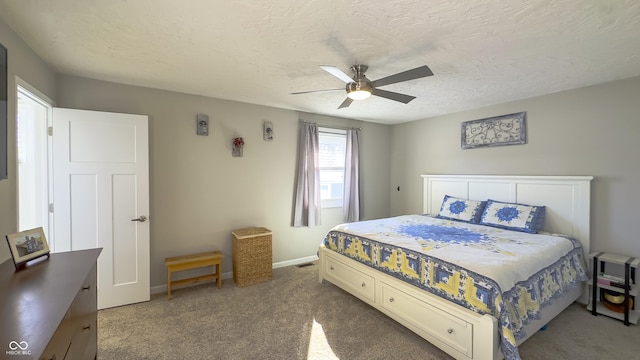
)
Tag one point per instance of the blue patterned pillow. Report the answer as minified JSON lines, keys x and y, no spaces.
{"x":460,"y":209}
{"x":511,"y":216}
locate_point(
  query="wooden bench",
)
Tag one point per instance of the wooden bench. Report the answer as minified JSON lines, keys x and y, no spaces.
{"x":188,"y":262}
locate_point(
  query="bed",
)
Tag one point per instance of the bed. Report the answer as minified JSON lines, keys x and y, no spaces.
{"x":470,"y":309}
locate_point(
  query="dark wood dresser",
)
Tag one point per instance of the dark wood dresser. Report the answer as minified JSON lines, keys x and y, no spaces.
{"x":48,"y":310}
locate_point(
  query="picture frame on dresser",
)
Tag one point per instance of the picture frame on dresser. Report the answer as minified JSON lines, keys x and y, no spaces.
{"x":27,"y":245}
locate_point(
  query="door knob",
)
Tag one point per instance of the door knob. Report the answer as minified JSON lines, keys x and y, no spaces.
{"x":141,"y":218}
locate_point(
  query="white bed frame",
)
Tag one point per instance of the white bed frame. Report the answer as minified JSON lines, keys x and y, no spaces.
{"x":456,"y":330}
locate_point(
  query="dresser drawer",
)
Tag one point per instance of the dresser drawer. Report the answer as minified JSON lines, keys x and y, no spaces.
{"x":84,"y":319}
{"x":436,"y":322}
{"x":354,"y":281}
{"x":86,"y":301}
{"x":83,"y":345}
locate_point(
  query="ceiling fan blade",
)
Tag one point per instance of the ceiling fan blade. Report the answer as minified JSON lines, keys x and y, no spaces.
{"x":345,"y":103}
{"x":337,"y":73}
{"x":315,"y":91}
{"x":419,"y":72}
{"x":393,"y":95}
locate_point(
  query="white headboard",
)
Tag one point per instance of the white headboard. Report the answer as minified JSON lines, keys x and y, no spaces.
{"x":567,"y":198}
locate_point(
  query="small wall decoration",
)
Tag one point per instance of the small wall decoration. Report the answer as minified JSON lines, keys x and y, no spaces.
{"x":502,"y":130}
{"x":268,"y":131}
{"x":238,"y":144}
{"x":202,"y":124}
{"x":27,"y":245}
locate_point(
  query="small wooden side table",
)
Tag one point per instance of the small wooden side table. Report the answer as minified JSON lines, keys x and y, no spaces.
{"x":188,"y":262}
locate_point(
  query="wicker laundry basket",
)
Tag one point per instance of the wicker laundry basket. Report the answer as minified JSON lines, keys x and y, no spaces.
{"x":251,"y":256}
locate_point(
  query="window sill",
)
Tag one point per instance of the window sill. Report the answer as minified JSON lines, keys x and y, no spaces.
{"x":332,"y":203}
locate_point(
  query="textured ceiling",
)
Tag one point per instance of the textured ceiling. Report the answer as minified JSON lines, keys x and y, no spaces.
{"x":481,"y":52}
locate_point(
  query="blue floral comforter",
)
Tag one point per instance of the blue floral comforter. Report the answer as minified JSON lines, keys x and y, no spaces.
{"x":510,"y":275}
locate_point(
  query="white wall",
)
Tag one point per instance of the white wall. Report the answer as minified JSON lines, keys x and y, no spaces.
{"x":588,"y":131}
{"x":22,"y":62}
{"x":200,"y":193}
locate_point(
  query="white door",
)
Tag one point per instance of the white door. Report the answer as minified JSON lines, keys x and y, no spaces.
{"x":101,"y":197}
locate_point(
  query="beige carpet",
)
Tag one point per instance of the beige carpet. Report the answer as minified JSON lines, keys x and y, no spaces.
{"x":295,"y":317}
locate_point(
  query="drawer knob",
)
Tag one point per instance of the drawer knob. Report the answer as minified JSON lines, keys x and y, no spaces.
{"x":450,"y":331}
{"x":86,"y":327}
{"x":363,"y":284}
{"x":331,"y":267}
{"x":391,"y":299}
{"x":86,"y":288}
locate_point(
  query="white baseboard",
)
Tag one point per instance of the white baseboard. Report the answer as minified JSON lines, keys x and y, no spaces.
{"x":229,"y":275}
{"x":299,"y":261}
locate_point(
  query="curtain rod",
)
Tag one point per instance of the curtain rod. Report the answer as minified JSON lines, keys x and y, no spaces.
{"x":332,"y":126}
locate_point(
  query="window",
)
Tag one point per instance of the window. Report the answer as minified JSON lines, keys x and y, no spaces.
{"x":332,"y":144}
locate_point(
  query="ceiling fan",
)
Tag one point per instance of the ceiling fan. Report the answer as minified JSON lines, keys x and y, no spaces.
{"x":359,"y":87}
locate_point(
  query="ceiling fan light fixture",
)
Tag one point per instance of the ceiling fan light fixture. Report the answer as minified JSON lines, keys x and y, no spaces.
{"x":359,"y":94}
{"x":358,"y":90}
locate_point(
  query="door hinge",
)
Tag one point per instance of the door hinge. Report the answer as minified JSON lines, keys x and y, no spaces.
{"x":50,"y":130}
{"x":51,"y":207}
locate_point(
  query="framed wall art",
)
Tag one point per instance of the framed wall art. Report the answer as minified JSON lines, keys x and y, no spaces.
{"x":502,"y":130}
{"x":27,"y":245}
{"x":3,"y":112}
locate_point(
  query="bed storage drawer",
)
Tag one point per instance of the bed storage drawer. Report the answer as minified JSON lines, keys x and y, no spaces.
{"x":354,"y":281}
{"x":433,"y":321}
